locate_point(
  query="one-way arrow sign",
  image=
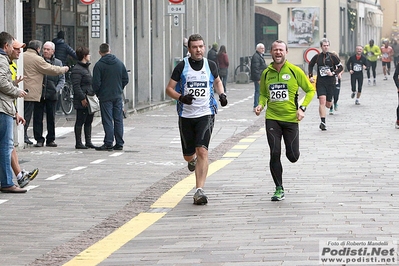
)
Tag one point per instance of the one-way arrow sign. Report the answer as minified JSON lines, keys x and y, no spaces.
{"x":176,"y":20}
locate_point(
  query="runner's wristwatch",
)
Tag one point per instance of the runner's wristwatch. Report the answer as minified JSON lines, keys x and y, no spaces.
{"x":303,"y":108}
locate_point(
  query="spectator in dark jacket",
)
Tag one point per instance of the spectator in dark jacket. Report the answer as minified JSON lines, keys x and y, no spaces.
{"x":48,"y":100}
{"x":62,"y":50}
{"x":109,"y":79}
{"x":213,"y":53}
{"x":258,"y":64}
{"x":82,"y":85}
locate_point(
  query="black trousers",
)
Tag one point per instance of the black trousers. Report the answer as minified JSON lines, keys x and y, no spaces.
{"x":357,"y":78}
{"x":28,"y":111}
{"x":373,"y":66}
{"x":47,"y":106}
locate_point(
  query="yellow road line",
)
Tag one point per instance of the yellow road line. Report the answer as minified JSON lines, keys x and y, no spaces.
{"x":174,"y":195}
{"x":101,"y":250}
{"x":111,"y":243}
{"x":231,"y":154}
{"x":247,"y":140}
{"x":240,"y":147}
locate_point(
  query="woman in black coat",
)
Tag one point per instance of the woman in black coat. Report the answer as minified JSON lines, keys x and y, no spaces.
{"x":81,"y":81}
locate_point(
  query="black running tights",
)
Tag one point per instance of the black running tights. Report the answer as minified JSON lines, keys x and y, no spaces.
{"x":275,"y":131}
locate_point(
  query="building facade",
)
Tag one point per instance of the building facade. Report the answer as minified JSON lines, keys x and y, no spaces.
{"x":147,"y":35}
{"x":303,"y":23}
{"x":390,"y":9}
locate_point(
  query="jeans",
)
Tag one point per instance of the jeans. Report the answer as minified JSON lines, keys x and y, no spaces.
{"x":6,"y":147}
{"x":257,"y":93}
{"x":112,"y":120}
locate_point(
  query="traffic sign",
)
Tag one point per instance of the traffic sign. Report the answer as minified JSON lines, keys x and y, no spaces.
{"x":176,"y":20}
{"x":309,"y":53}
{"x":175,"y":1}
{"x":87,"y":2}
{"x":176,"y":9}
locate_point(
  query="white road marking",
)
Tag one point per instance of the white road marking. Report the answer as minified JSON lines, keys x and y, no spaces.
{"x":78,"y":168}
{"x":30,"y":187}
{"x":54,"y":177}
{"x":116,"y":154}
{"x":98,"y":161}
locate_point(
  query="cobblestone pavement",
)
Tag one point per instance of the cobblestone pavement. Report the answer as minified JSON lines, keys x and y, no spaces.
{"x":342,"y":188}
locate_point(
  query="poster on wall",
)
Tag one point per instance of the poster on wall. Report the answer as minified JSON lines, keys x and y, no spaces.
{"x":303,"y":26}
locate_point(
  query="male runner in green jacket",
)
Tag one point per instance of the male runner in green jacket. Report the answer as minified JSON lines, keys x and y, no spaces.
{"x":279,"y":84}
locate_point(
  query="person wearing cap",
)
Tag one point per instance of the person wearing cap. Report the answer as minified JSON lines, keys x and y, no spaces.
{"x":15,"y":56}
{"x":213,"y":53}
{"x":23,"y":177}
{"x":62,"y":49}
{"x":9,"y":91}
{"x":35,"y":67}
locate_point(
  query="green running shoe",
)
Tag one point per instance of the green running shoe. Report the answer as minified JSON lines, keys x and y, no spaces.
{"x":279,"y":194}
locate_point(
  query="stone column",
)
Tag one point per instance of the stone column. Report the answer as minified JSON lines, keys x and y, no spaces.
{"x":144,"y":52}
{"x":161,"y":69}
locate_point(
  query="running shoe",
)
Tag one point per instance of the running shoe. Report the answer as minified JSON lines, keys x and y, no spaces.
{"x":374,"y":83}
{"x":200,"y":198}
{"x":335,"y":106}
{"x":357,"y":102}
{"x":191,"y":165}
{"x":331,"y":111}
{"x":278,"y":194}
{"x":385,"y":78}
{"x":353,"y":94}
{"x":396,"y":125}
{"x":369,"y":83}
{"x":27,"y":177}
{"x":323,"y":126}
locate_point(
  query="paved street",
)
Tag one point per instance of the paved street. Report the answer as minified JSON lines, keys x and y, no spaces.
{"x":114,"y":208}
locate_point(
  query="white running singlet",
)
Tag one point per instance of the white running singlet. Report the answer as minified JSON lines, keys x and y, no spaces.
{"x":200,"y":85}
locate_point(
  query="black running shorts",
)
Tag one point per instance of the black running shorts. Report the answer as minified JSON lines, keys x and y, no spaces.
{"x":325,"y":89}
{"x":195,"y":132}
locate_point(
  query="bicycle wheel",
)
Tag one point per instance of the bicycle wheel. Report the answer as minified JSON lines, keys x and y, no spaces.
{"x":242,"y":68}
{"x":67,"y":99}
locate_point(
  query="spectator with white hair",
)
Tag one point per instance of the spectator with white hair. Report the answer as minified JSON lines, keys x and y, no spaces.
{"x":48,"y":101}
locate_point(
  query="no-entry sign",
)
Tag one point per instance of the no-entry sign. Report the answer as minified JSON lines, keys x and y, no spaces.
{"x":175,"y":1}
{"x":309,"y":53}
{"x":87,"y":2}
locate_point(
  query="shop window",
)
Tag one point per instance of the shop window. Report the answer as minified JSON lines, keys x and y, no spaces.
{"x":43,"y":32}
{"x":67,"y":5}
{"x":45,"y":4}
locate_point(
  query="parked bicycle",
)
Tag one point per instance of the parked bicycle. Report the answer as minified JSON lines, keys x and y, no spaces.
{"x":67,"y":94}
{"x":244,"y":67}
